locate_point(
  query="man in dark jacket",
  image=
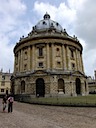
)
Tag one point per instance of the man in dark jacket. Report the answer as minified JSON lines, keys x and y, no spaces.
{"x":10,"y":103}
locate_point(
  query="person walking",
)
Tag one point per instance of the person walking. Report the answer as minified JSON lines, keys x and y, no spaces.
{"x":4,"y":102}
{"x":10,"y":103}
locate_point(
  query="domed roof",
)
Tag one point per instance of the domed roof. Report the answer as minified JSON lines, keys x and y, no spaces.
{"x":47,"y":24}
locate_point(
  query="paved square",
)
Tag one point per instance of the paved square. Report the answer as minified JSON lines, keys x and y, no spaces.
{"x":37,"y":116}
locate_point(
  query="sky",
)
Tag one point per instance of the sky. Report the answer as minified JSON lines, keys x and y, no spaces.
{"x":78,"y":17}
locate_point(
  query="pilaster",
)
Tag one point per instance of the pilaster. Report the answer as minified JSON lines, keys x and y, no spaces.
{"x":82,"y":64}
{"x":28,"y":58}
{"x":21,"y":64}
{"x":77,"y":59}
{"x":68,"y":57}
{"x":64,"y":57}
{"x":19,"y":60}
{"x":48,"y":57}
{"x":53,"y":59}
{"x":33,"y":57}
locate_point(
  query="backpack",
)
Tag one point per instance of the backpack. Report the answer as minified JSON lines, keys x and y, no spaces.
{"x":10,"y":99}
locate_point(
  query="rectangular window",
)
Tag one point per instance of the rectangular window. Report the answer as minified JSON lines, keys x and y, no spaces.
{"x":2,"y":90}
{"x":3,"y":77}
{"x":58,"y":64}
{"x":40,"y":51}
{"x":3,"y":83}
{"x":40,"y":64}
{"x":25,"y":55}
{"x":73,"y":66}
{"x":72,"y":54}
{"x":25,"y":67}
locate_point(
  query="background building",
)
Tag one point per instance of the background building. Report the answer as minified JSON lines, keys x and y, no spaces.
{"x":48,"y":62}
{"x":92,"y":84}
{"x":5,"y":83}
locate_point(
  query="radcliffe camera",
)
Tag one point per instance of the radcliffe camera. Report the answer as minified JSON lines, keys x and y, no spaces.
{"x":51,"y":59}
{"x":47,"y":64}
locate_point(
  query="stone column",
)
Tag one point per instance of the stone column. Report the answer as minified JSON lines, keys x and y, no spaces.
{"x":74,"y":88}
{"x":33,"y":58}
{"x":28,"y":58}
{"x":82,"y":64}
{"x":53,"y":59}
{"x":82,"y":88}
{"x":64,"y":57}
{"x":77,"y":59}
{"x":21,"y":64}
{"x":48,"y":58}
{"x":19,"y":61}
{"x":14,"y":63}
{"x":68,"y":57}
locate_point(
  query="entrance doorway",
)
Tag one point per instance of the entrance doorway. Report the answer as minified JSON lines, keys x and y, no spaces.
{"x":78,"y":86}
{"x":40,"y":87}
{"x":6,"y":92}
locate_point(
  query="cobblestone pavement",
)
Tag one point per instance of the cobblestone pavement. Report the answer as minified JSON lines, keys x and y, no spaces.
{"x":37,"y":116}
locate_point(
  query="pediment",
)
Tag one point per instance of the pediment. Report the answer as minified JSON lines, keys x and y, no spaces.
{"x":40,"y":72}
{"x":78,"y":73}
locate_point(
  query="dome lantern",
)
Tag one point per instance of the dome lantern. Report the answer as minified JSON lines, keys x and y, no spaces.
{"x":46,"y":16}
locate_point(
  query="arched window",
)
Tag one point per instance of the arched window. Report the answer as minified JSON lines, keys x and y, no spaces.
{"x":22,"y":86}
{"x":61,"y":87}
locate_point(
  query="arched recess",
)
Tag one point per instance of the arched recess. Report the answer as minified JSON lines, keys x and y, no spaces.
{"x":22,"y":86}
{"x":40,"y":87}
{"x":85,"y":87}
{"x":61,"y":86}
{"x":78,"y":86}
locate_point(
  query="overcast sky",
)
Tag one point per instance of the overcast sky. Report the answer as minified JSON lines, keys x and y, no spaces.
{"x":17,"y":17}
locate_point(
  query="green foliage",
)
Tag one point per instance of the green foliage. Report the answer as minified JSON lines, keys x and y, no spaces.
{"x":89,"y":100}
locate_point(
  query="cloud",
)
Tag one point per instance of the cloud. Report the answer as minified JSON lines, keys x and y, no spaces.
{"x":86,"y":23}
{"x":11,"y":13}
{"x":63,"y":14}
{"x":79,"y":18}
{"x":90,"y":62}
{"x":85,"y":29}
{"x":76,"y":4}
{"x":6,"y":56}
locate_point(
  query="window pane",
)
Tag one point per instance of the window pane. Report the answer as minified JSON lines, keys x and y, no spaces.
{"x":40,"y":64}
{"x":2,"y":90}
{"x":40,"y":52}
